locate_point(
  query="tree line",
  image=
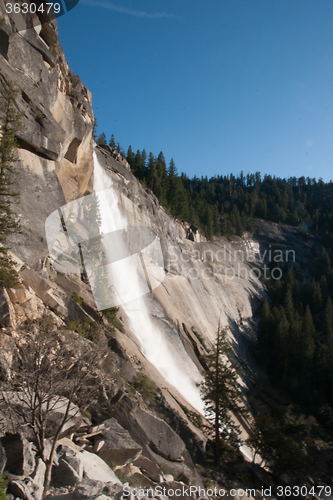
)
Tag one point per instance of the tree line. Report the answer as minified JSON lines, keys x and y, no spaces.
{"x":226,"y":204}
{"x":295,"y":338}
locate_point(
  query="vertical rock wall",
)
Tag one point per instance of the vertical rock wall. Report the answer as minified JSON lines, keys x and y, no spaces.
{"x":55,"y":156}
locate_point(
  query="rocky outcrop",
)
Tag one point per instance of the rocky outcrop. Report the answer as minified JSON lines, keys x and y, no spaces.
{"x":115,"y":445}
{"x":74,"y":465}
{"x":20,"y":458}
{"x":55,"y":155}
{"x":146,"y":429}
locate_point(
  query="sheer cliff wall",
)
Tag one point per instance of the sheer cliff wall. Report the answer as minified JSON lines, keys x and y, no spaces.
{"x":55,"y":142}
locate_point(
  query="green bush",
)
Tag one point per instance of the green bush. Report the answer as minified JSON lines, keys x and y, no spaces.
{"x":146,"y":388}
{"x":77,"y":299}
{"x":111,"y":315}
{"x":86,"y":327}
{"x":3,"y":486}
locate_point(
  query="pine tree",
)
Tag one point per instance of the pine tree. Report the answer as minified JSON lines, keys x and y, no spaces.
{"x":316,"y":297}
{"x":264,"y":333}
{"x":221,"y":393}
{"x":112,"y":142}
{"x":162,"y":179}
{"x":101,"y":141}
{"x":327,"y":330}
{"x":9,"y":224}
{"x":138,"y":165}
{"x":151,"y":181}
{"x":173,"y":191}
{"x":144,"y":157}
{"x":307,"y":344}
{"x":130,"y":156}
{"x":288,"y":304}
{"x":216,"y":224}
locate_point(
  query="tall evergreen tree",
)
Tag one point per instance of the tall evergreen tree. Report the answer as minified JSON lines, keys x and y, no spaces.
{"x":101,"y":141}
{"x":112,"y":142}
{"x":151,"y":174}
{"x":130,"y":156}
{"x":221,"y":393}
{"x":173,"y":186}
{"x":138,"y":165}
{"x":307,"y":343}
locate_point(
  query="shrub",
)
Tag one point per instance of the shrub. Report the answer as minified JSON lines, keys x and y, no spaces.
{"x":77,"y":299}
{"x":111,"y":315}
{"x":146,"y":388}
{"x":3,"y":486}
{"x":86,"y":327}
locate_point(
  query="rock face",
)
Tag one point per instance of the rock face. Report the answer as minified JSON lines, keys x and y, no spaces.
{"x":146,"y":429}
{"x":74,"y":465}
{"x":20,"y":458}
{"x":55,"y":155}
{"x":205,"y":280}
{"x":116,"y":447}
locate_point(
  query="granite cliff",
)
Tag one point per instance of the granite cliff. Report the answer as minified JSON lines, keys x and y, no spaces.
{"x":204,"y":282}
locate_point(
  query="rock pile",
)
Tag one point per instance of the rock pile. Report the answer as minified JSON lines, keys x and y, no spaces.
{"x":114,"y":468}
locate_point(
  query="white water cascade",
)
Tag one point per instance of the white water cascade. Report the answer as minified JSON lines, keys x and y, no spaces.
{"x":164,"y":351}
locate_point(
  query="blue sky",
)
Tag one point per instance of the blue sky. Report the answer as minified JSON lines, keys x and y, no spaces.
{"x":220,"y":85}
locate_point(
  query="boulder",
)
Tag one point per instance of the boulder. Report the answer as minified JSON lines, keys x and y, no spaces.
{"x":68,"y":442}
{"x":20,"y":457}
{"x":75,"y":465}
{"x":20,"y":489}
{"x":25,"y":489}
{"x":149,"y":468}
{"x":87,"y":490}
{"x":116,"y":447}
{"x":168,"y":478}
{"x":138,"y":479}
{"x":180,"y":470}
{"x":59,"y":493}
{"x":95,"y":468}
{"x":134,"y":475}
{"x":69,"y":470}
{"x":149,"y":430}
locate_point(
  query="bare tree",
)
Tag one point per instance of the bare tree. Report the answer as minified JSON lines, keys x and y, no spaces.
{"x":52,"y":371}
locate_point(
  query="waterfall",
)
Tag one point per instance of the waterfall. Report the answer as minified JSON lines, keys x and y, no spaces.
{"x":159,"y":343}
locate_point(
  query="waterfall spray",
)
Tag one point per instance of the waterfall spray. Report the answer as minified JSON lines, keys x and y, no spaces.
{"x":130,"y":288}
